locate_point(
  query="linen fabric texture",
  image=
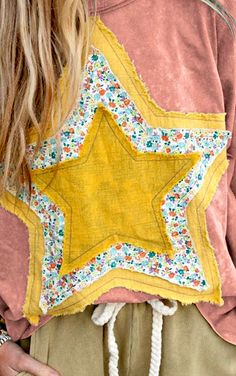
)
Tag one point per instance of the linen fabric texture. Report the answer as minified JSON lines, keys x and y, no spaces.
{"x":190,"y":346}
{"x":174,"y":95}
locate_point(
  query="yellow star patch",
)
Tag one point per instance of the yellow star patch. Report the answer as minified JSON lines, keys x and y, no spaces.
{"x":112,"y":193}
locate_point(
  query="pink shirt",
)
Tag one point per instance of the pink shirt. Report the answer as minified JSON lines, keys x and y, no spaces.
{"x":188,"y":67}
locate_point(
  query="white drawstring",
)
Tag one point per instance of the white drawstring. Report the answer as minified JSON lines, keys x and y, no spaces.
{"x":107,"y":313}
{"x":158,"y":310}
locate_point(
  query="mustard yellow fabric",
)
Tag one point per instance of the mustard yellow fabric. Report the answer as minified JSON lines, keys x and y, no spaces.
{"x":105,"y":139}
{"x":119,"y":193}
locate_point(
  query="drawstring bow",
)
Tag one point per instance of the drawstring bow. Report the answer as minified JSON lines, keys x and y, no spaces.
{"x":106,"y":313}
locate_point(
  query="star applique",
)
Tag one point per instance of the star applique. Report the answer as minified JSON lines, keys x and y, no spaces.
{"x":96,"y":221}
{"x":111,"y":193}
{"x":101,"y":87}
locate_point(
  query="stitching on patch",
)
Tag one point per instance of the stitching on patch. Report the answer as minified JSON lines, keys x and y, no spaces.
{"x":182,"y":292}
{"x":149,"y":102}
{"x":145,"y":158}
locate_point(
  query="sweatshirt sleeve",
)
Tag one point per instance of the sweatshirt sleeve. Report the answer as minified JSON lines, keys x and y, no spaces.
{"x":227,"y":73}
{"x":223,"y":319}
{"x":14,"y":256}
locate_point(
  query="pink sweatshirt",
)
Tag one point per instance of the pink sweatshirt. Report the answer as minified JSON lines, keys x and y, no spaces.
{"x":186,"y":56}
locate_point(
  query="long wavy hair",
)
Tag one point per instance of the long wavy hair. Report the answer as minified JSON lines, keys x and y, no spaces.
{"x":38,"y":39}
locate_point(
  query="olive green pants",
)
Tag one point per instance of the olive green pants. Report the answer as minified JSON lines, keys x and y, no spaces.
{"x":75,"y":346}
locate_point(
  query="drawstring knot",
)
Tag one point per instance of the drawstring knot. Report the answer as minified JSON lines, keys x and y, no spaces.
{"x":106,"y":313}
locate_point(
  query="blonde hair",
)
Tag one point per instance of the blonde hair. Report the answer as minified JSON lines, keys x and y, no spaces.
{"x":38,"y":39}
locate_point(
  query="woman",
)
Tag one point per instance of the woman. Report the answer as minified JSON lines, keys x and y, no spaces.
{"x":115,"y":199}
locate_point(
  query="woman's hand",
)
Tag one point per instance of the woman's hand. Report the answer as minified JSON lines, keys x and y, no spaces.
{"x":14,"y":360}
